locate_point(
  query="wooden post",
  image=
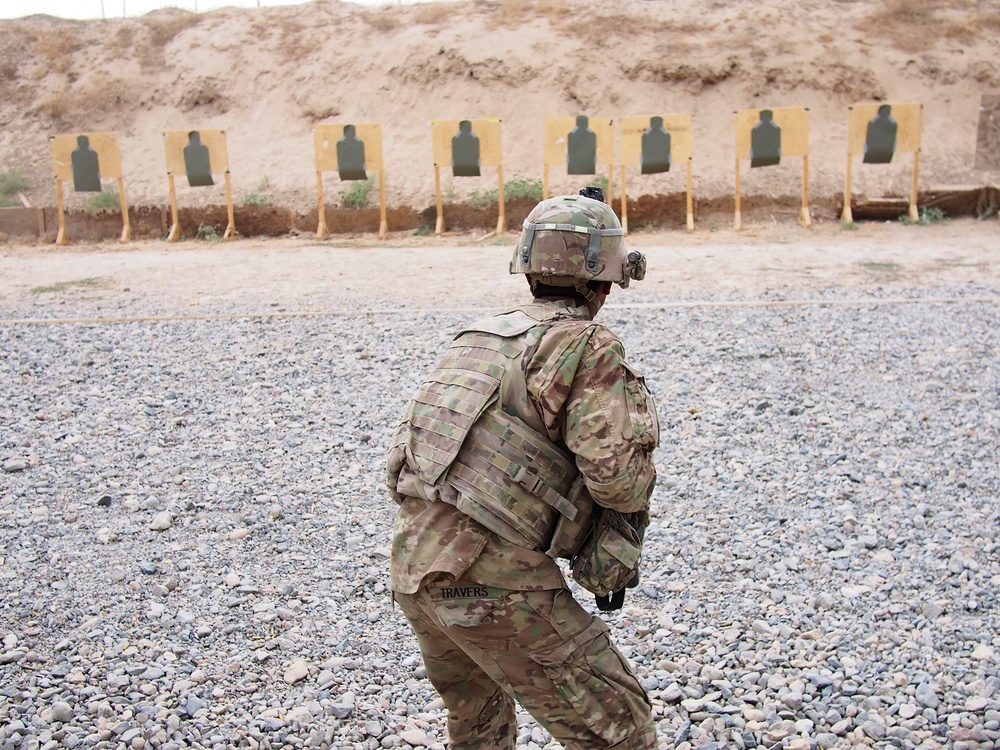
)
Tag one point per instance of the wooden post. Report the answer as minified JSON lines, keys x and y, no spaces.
{"x":737,"y":221}
{"x":914,"y":214}
{"x":501,"y":203}
{"x":231,"y":227}
{"x":611,"y":183}
{"x":690,"y":199}
{"x":321,"y":230}
{"x":61,"y":238}
{"x":804,"y":217}
{"x":846,"y":215}
{"x":175,"y":224}
{"x":439,"y":225}
{"x":383,"y":224}
{"x":624,"y":211}
{"x":126,"y":225}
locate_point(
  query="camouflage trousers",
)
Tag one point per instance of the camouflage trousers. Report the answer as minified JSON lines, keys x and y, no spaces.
{"x":484,"y":648}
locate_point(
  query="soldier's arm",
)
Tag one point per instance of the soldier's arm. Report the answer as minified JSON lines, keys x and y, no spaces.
{"x":605,"y":417}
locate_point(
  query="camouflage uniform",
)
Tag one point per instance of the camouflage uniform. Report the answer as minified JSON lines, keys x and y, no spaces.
{"x":494,"y":619}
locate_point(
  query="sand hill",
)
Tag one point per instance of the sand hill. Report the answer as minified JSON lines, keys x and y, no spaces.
{"x":266,"y":76}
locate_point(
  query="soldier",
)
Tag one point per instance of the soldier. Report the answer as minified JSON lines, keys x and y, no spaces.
{"x":526,"y":407}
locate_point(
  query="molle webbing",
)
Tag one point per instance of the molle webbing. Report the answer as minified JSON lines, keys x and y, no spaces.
{"x":509,"y":477}
{"x":469,"y":426}
{"x":512,"y":480}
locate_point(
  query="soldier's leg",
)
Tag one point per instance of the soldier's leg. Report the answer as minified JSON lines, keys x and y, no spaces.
{"x":557,"y":659}
{"x":481,"y":716}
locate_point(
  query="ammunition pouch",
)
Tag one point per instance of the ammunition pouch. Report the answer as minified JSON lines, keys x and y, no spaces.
{"x":608,"y":560}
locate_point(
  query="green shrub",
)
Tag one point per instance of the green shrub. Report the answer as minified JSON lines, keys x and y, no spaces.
{"x":356,"y":196}
{"x":523,"y":187}
{"x":927,"y":216}
{"x":104,"y":200}
{"x":209,"y":234}
{"x":259,"y":197}
{"x":11,"y":183}
{"x":518,"y":187}
{"x":483,"y":199}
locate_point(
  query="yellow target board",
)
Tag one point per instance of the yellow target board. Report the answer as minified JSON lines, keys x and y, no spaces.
{"x":461,"y":144}
{"x":197,"y":155}
{"x":765,"y":136}
{"x":352,"y":150}
{"x":465,"y":146}
{"x":87,"y":159}
{"x":582,"y":144}
{"x":877,"y":131}
{"x":656,"y":144}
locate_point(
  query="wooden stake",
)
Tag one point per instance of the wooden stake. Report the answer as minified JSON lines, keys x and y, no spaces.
{"x":321,"y":231}
{"x":690,"y":198}
{"x":737,"y":221}
{"x":383,"y":224}
{"x":61,"y":238}
{"x":845,"y":215}
{"x":501,"y":203}
{"x":624,"y":210}
{"x":126,"y":225}
{"x":439,"y":224}
{"x":804,"y":217}
{"x":175,"y":224}
{"x":231,"y":227}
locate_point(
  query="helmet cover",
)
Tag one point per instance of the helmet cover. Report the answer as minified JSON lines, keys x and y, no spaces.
{"x":570,"y":239}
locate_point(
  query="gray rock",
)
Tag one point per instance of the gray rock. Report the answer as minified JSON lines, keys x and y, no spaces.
{"x":62,"y":712}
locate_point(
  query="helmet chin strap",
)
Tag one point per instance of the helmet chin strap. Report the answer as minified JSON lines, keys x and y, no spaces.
{"x":586,"y":292}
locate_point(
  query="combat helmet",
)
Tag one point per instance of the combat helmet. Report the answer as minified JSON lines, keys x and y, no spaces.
{"x":572,"y":239}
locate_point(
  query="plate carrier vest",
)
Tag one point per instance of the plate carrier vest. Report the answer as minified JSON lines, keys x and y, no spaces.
{"x":464,"y":438}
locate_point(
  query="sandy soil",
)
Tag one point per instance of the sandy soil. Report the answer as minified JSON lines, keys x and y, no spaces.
{"x":457,"y":271}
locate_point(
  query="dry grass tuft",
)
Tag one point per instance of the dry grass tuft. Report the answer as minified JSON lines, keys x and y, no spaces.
{"x":384,"y":19}
{"x":296,"y":40}
{"x":915,"y":25}
{"x":164,"y":28}
{"x":161,"y":30}
{"x":435,"y":14}
{"x":57,"y":49}
{"x":972,"y":27}
{"x":54,"y":107}
{"x":903,"y":12}
{"x":56,"y":44}
{"x":123,"y":41}
{"x":514,"y":13}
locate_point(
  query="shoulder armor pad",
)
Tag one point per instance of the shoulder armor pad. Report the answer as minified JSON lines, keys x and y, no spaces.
{"x":518,"y":320}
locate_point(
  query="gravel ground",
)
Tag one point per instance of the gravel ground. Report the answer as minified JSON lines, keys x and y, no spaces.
{"x":194,"y":535}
